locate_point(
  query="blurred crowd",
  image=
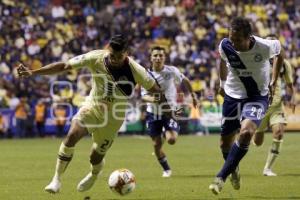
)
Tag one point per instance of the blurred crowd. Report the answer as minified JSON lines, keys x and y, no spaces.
{"x":38,"y":32}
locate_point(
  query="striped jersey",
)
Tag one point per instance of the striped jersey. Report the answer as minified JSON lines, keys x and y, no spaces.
{"x":248,"y":72}
{"x":168,"y":79}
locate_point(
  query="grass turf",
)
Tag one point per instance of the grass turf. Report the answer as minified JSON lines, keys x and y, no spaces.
{"x":26,"y":166}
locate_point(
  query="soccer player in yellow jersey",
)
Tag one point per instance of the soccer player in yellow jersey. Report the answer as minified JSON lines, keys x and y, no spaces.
{"x":275,"y":117}
{"x":114,"y":76}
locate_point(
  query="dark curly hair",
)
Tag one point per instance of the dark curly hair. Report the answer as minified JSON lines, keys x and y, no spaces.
{"x":240,"y":24}
{"x":118,"y":42}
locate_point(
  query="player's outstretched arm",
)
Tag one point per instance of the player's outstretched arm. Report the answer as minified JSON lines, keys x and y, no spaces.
{"x":187,"y":84}
{"x":53,"y":68}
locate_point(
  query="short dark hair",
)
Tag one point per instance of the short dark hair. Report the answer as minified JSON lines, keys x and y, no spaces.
{"x":118,"y":42}
{"x":242,"y":25}
{"x":272,"y":36}
{"x":159,"y":48}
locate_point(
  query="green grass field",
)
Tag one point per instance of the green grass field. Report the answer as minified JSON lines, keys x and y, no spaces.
{"x":26,"y":166}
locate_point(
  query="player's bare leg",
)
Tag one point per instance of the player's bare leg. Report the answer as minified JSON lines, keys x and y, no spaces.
{"x":171,"y":137}
{"x":258,"y":138}
{"x":278,"y":130}
{"x":97,"y":162}
{"x":65,"y":154}
{"x":161,"y":156}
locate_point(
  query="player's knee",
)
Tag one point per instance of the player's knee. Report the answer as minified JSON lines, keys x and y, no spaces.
{"x":258,"y":139}
{"x":246,"y":135}
{"x":278,"y":133}
{"x":172,"y":140}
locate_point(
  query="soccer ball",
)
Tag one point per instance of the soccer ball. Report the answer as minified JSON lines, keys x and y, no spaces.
{"x":122,"y":181}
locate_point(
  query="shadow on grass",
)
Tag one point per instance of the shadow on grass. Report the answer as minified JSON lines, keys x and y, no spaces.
{"x":195,"y":176}
{"x":291,"y":175}
{"x":262,"y":197}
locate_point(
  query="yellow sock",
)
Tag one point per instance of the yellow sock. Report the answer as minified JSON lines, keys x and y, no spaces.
{"x":65,"y":155}
{"x":273,"y":153}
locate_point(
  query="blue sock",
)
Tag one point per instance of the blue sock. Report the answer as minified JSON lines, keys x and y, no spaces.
{"x":164,"y":163}
{"x":236,"y":153}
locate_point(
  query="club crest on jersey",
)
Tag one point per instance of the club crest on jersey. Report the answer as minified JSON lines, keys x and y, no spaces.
{"x":167,"y":76}
{"x":258,"y":57}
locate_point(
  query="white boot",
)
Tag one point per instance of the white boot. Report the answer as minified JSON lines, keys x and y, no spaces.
{"x":54,"y":186}
{"x":268,"y":172}
{"x":167,"y":174}
{"x":87,"y":182}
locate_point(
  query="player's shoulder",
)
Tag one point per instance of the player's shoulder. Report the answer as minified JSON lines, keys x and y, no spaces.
{"x":132,"y":62}
{"x":226,"y":46}
{"x":97,"y":53}
{"x":265,"y":43}
{"x":225,"y":42}
{"x":170,"y":68}
{"x":260,"y":41}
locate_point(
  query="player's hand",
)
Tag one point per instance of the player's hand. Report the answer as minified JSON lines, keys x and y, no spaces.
{"x":290,"y":103}
{"x":23,"y":71}
{"x":222,"y":92}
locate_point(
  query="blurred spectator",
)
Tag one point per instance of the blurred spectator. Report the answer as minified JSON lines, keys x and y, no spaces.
{"x":43,"y":31}
{"x":40,"y":117}
{"x":22,"y":112}
{"x":3,"y":126}
{"x":195,"y":124}
{"x":60,"y":119}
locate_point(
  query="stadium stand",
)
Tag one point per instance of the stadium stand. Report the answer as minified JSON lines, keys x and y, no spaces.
{"x":41,"y":31}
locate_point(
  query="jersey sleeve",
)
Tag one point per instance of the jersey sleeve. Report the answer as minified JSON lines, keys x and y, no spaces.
{"x":83,"y":60}
{"x":140,"y":75}
{"x":274,"y":48}
{"x":288,"y":74}
{"x":178,"y":76}
{"x":221,"y":52}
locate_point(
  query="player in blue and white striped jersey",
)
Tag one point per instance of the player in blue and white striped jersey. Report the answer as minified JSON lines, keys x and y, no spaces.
{"x":244,"y":74}
{"x":159,"y":124}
